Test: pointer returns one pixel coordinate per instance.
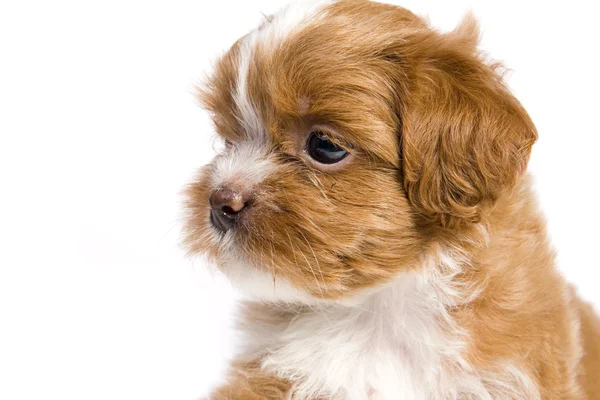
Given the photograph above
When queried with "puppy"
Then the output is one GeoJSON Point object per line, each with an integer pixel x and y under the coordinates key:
{"type": "Point", "coordinates": [372, 202]}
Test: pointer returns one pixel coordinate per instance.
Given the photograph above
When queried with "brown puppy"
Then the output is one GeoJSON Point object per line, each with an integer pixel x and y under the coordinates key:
{"type": "Point", "coordinates": [372, 202]}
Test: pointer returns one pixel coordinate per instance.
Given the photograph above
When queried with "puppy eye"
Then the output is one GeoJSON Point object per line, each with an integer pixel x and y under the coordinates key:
{"type": "Point", "coordinates": [323, 150]}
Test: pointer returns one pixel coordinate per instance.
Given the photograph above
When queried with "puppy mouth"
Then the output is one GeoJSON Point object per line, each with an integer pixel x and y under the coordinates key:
{"type": "Point", "coordinates": [218, 224]}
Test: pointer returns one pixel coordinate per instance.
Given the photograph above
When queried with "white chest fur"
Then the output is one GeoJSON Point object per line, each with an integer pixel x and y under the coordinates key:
{"type": "Point", "coordinates": [399, 343]}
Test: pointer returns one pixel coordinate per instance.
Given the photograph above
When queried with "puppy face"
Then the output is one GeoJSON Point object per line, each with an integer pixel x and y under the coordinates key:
{"type": "Point", "coordinates": [354, 135]}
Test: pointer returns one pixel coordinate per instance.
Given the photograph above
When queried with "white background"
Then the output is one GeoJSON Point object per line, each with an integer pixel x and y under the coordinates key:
{"type": "Point", "coordinates": [99, 132]}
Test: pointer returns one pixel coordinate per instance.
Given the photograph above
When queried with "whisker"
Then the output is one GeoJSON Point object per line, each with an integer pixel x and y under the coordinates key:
{"type": "Point", "coordinates": [308, 263]}
{"type": "Point", "coordinates": [315, 256]}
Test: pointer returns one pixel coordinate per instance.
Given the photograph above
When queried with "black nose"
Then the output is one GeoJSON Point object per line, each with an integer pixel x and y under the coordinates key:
{"type": "Point", "coordinates": [226, 205]}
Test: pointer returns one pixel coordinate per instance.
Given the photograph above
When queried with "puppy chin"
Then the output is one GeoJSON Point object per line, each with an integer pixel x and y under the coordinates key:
{"type": "Point", "coordinates": [259, 285]}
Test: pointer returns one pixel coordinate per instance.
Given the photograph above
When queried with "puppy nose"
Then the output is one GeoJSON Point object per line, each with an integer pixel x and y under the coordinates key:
{"type": "Point", "coordinates": [226, 205]}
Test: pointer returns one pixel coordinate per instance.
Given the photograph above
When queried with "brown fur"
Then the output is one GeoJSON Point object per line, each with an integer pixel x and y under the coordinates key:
{"type": "Point", "coordinates": [250, 383]}
{"type": "Point", "coordinates": [440, 147]}
{"type": "Point", "coordinates": [589, 375]}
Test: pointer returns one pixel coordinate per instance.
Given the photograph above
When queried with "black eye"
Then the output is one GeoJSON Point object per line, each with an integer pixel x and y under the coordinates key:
{"type": "Point", "coordinates": [321, 149]}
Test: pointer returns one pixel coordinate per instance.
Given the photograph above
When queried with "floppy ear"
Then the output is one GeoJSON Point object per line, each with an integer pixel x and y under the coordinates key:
{"type": "Point", "coordinates": [466, 139]}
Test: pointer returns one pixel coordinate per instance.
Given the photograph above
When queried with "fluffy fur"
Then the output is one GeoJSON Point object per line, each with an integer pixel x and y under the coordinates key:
{"type": "Point", "coordinates": [419, 266]}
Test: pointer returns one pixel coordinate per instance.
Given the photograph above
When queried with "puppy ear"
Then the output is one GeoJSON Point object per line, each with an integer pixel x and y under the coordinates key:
{"type": "Point", "coordinates": [465, 139]}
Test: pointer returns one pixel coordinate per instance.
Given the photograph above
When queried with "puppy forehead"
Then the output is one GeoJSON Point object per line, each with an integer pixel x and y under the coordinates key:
{"type": "Point", "coordinates": [312, 63]}
{"type": "Point", "coordinates": [268, 37]}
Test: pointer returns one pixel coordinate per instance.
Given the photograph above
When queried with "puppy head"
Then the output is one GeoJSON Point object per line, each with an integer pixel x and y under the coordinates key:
{"type": "Point", "coordinates": [353, 134]}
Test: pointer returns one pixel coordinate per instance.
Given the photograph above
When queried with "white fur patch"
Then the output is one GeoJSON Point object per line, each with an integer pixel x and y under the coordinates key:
{"type": "Point", "coordinates": [246, 165]}
{"type": "Point", "coordinates": [291, 18]}
{"type": "Point", "coordinates": [397, 343]}
{"type": "Point", "coordinates": [259, 285]}
{"type": "Point", "coordinates": [249, 117]}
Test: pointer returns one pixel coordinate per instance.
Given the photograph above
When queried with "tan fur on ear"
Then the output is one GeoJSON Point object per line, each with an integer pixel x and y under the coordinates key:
{"type": "Point", "coordinates": [467, 32]}
{"type": "Point", "coordinates": [466, 139]}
